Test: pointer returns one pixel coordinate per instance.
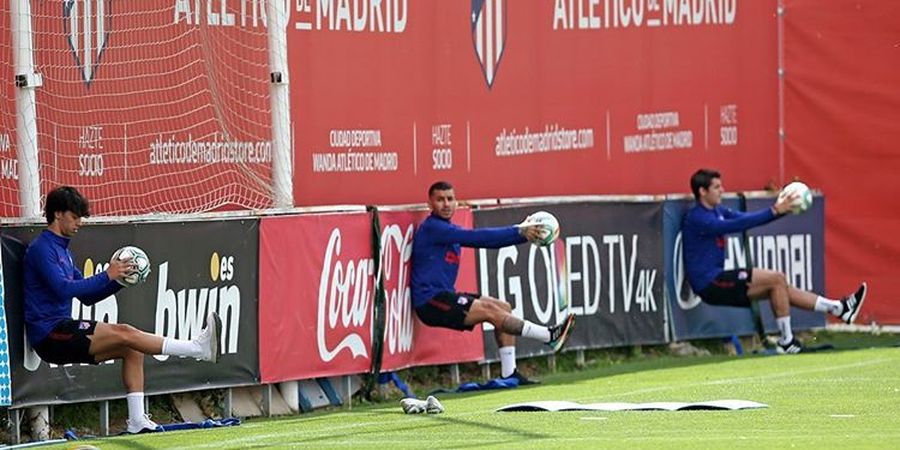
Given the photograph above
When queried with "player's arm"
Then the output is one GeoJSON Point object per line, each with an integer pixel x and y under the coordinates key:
{"type": "Point", "coordinates": [495, 237]}
{"type": "Point", "coordinates": [109, 289]}
{"type": "Point", "coordinates": [734, 221]}
{"type": "Point", "coordinates": [88, 290]}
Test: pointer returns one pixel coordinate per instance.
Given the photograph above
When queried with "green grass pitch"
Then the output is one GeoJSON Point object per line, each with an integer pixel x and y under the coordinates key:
{"type": "Point", "coordinates": [838, 399]}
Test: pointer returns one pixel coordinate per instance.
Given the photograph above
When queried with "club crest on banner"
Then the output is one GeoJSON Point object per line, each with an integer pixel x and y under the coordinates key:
{"type": "Point", "coordinates": [489, 35]}
{"type": "Point", "coordinates": [87, 26]}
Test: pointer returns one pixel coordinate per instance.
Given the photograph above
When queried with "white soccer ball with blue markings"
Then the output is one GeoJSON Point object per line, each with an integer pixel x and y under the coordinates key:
{"type": "Point", "coordinates": [549, 224]}
{"type": "Point", "coordinates": [804, 198]}
{"type": "Point", "coordinates": [141, 264]}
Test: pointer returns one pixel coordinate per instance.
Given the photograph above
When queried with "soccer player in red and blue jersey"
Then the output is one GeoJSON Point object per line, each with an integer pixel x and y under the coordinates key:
{"type": "Point", "coordinates": [435, 266]}
{"type": "Point", "coordinates": [51, 283]}
{"type": "Point", "coordinates": [703, 239]}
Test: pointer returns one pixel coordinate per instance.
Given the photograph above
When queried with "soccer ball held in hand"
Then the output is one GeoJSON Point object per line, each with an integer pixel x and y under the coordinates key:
{"type": "Point", "coordinates": [141, 264]}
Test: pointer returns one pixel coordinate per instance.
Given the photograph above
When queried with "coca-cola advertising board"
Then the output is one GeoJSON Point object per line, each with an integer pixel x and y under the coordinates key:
{"type": "Point", "coordinates": [317, 291]}
{"type": "Point", "coordinates": [196, 268]}
{"type": "Point", "coordinates": [576, 97]}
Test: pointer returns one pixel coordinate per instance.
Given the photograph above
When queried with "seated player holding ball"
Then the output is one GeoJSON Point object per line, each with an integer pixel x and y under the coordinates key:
{"type": "Point", "coordinates": [52, 281]}
{"type": "Point", "coordinates": [703, 237]}
{"type": "Point", "coordinates": [435, 266]}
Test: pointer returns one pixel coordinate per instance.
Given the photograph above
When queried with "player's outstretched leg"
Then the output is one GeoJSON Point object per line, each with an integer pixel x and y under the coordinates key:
{"type": "Point", "coordinates": [204, 347]}
{"type": "Point", "coordinates": [209, 338]}
{"type": "Point", "coordinates": [560, 333]}
{"type": "Point", "coordinates": [852, 303]}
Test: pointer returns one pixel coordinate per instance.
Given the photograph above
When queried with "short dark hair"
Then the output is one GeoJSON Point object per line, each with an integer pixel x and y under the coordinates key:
{"type": "Point", "coordinates": [702, 179]}
{"type": "Point", "coordinates": [65, 198]}
{"type": "Point", "coordinates": [439, 186]}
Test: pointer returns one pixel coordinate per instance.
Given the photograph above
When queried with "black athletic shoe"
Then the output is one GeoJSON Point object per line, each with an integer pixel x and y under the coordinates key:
{"type": "Point", "coordinates": [791, 347]}
{"type": "Point", "coordinates": [852, 304]}
{"type": "Point", "coordinates": [561, 332]}
{"type": "Point", "coordinates": [523, 380]}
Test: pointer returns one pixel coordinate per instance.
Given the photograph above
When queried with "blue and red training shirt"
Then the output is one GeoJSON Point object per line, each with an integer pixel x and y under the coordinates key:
{"type": "Point", "coordinates": [52, 280]}
{"type": "Point", "coordinates": [703, 239]}
{"type": "Point", "coordinates": [435, 254]}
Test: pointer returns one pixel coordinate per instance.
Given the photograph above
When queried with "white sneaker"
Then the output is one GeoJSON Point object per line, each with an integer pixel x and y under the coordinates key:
{"type": "Point", "coordinates": [413, 405]}
{"type": "Point", "coordinates": [142, 425]}
{"type": "Point", "coordinates": [209, 338]}
{"type": "Point", "coordinates": [433, 406]}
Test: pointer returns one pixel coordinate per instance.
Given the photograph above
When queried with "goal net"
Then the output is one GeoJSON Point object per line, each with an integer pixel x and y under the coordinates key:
{"type": "Point", "coordinates": [8, 164]}
{"type": "Point", "coordinates": [154, 106]}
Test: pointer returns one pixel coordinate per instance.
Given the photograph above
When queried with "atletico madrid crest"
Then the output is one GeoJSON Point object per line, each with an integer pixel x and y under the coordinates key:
{"type": "Point", "coordinates": [489, 35]}
{"type": "Point", "coordinates": [87, 26]}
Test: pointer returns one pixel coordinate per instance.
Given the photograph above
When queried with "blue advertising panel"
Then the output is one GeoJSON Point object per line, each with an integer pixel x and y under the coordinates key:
{"type": "Point", "coordinates": [794, 245]}
{"type": "Point", "coordinates": [5, 385]}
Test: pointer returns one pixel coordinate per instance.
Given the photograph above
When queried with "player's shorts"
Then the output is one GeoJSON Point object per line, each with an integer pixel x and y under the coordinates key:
{"type": "Point", "coordinates": [448, 310]}
{"type": "Point", "coordinates": [729, 288]}
{"type": "Point", "coordinates": [68, 343]}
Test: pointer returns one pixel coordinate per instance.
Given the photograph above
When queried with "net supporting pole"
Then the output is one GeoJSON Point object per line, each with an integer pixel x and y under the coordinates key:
{"type": "Point", "coordinates": [282, 164]}
{"type": "Point", "coordinates": [26, 123]}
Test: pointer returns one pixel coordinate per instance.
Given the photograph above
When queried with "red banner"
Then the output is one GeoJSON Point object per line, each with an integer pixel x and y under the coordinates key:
{"type": "Point", "coordinates": [574, 97]}
{"type": "Point", "coordinates": [315, 298]}
{"type": "Point", "coordinates": [154, 105]}
{"type": "Point", "coordinates": [317, 294]}
{"type": "Point", "coordinates": [841, 103]}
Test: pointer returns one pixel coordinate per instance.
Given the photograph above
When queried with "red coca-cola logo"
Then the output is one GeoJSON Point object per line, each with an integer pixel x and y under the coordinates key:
{"type": "Point", "coordinates": [345, 296]}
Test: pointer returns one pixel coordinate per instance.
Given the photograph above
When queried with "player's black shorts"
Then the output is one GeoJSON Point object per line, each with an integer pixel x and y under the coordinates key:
{"type": "Point", "coordinates": [729, 288]}
{"type": "Point", "coordinates": [447, 310]}
{"type": "Point", "coordinates": [68, 343]}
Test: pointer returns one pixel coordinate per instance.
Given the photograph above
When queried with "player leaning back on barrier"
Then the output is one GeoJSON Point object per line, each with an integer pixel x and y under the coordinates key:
{"type": "Point", "coordinates": [52, 281]}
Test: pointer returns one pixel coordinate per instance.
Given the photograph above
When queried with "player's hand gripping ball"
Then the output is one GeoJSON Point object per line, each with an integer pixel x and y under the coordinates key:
{"type": "Point", "coordinates": [548, 223]}
{"type": "Point", "coordinates": [804, 196]}
{"type": "Point", "coordinates": [141, 264]}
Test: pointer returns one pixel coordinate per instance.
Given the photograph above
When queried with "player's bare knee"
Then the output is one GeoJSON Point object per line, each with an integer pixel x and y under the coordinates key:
{"type": "Point", "coordinates": [782, 280]}
{"type": "Point", "coordinates": [133, 354]}
{"type": "Point", "coordinates": [127, 334]}
{"type": "Point", "coordinates": [775, 280]}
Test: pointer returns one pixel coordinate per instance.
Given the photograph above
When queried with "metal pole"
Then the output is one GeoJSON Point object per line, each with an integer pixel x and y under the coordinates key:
{"type": "Point", "coordinates": [104, 418]}
{"type": "Point", "coordinates": [454, 374]}
{"type": "Point", "coordinates": [267, 400]}
{"type": "Point", "coordinates": [26, 124]}
{"type": "Point", "coordinates": [228, 407]}
{"type": "Point", "coordinates": [282, 152]}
